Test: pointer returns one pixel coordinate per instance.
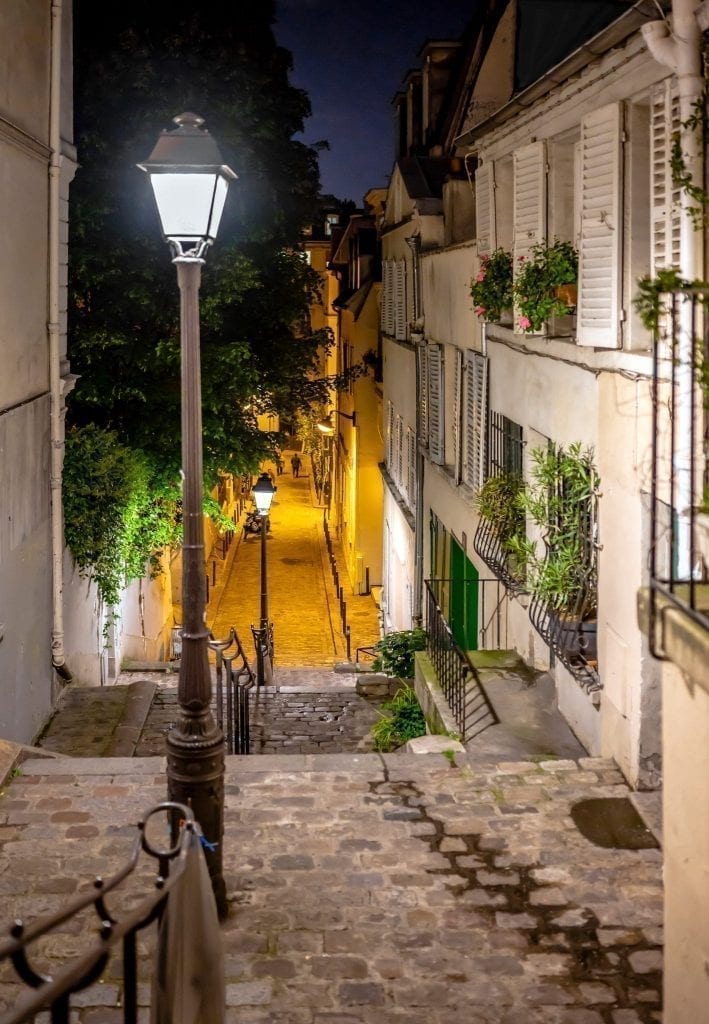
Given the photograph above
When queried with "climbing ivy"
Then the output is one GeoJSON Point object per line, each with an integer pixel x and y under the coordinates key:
{"type": "Point", "coordinates": [119, 515]}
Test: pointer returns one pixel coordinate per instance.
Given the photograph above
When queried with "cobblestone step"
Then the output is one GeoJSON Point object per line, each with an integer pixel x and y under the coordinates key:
{"type": "Point", "coordinates": [367, 889]}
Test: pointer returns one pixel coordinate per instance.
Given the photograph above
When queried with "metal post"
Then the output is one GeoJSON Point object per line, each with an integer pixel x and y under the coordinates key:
{"type": "Point", "coordinates": [261, 667]}
{"type": "Point", "coordinates": [195, 744]}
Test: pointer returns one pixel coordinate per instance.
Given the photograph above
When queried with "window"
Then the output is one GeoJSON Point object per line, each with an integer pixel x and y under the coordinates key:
{"type": "Point", "coordinates": [400, 319]}
{"type": "Point", "coordinates": [505, 446]}
{"type": "Point", "coordinates": [391, 419]}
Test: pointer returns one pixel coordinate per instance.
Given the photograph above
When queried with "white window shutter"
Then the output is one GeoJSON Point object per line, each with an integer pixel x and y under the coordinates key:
{"type": "Point", "coordinates": [436, 439]}
{"type": "Point", "coordinates": [476, 370]}
{"type": "Point", "coordinates": [400, 300]}
{"type": "Point", "coordinates": [422, 356]}
{"type": "Point", "coordinates": [665, 196]}
{"type": "Point", "coordinates": [383, 296]}
{"type": "Point", "coordinates": [457, 414]}
{"type": "Point", "coordinates": [391, 304]}
{"type": "Point", "coordinates": [399, 451]}
{"type": "Point", "coordinates": [390, 439]}
{"type": "Point", "coordinates": [485, 208]}
{"type": "Point", "coordinates": [411, 466]}
{"type": "Point", "coordinates": [530, 203]}
{"type": "Point", "coordinates": [600, 245]}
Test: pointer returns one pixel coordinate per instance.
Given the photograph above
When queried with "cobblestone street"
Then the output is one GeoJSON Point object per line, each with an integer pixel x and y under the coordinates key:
{"type": "Point", "coordinates": [302, 602]}
{"type": "Point", "coordinates": [368, 889]}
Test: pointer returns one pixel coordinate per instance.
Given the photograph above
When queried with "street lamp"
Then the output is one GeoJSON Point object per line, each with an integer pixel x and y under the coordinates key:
{"type": "Point", "coordinates": [264, 491]}
{"type": "Point", "coordinates": [325, 426]}
{"type": "Point", "coordinates": [190, 182]}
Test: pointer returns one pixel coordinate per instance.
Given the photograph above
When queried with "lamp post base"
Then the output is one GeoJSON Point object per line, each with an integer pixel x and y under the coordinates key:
{"type": "Point", "coordinates": [195, 777]}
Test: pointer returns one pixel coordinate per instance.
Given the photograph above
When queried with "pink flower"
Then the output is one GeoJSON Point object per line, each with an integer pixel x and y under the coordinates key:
{"type": "Point", "coordinates": [480, 311]}
{"type": "Point", "coordinates": [524, 322]}
{"type": "Point", "coordinates": [481, 276]}
{"type": "Point", "coordinates": [484, 260]}
{"type": "Point", "coordinates": [520, 259]}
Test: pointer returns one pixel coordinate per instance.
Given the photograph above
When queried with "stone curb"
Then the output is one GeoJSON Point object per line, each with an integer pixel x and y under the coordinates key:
{"type": "Point", "coordinates": [135, 714]}
{"type": "Point", "coordinates": [14, 754]}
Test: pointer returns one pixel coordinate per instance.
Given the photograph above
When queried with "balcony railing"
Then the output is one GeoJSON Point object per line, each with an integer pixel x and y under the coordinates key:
{"type": "Point", "coordinates": [455, 672]}
{"type": "Point", "coordinates": [116, 942]}
{"type": "Point", "coordinates": [679, 550]}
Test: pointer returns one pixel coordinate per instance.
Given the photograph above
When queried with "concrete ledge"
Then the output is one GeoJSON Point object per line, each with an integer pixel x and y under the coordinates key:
{"type": "Point", "coordinates": [433, 745]}
{"type": "Point", "coordinates": [376, 684]}
{"type": "Point", "coordinates": [684, 641]}
{"type": "Point", "coordinates": [135, 714]}
{"type": "Point", "coordinates": [12, 755]}
{"type": "Point", "coordinates": [430, 696]}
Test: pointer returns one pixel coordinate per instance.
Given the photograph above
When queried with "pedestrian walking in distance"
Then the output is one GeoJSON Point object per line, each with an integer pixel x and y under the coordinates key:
{"type": "Point", "coordinates": [295, 464]}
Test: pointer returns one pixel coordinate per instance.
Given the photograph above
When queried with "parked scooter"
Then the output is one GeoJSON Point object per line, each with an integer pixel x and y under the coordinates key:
{"type": "Point", "coordinates": [252, 523]}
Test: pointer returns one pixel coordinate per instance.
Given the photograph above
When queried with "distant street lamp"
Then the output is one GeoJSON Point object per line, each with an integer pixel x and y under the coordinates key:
{"type": "Point", "coordinates": [264, 491]}
{"type": "Point", "coordinates": [190, 182]}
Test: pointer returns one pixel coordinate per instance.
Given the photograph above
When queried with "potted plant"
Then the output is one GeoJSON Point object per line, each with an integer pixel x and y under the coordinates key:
{"type": "Point", "coordinates": [560, 501]}
{"type": "Point", "coordinates": [545, 284]}
{"type": "Point", "coordinates": [491, 288]}
{"type": "Point", "coordinates": [498, 503]}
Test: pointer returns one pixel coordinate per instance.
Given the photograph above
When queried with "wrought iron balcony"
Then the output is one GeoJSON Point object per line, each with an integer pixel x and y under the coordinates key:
{"type": "Point", "coordinates": [679, 550]}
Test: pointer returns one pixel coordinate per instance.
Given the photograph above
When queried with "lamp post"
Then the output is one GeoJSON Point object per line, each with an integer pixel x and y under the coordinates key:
{"type": "Point", "coordinates": [263, 496]}
{"type": "Point", "coordinates": [190, 182]}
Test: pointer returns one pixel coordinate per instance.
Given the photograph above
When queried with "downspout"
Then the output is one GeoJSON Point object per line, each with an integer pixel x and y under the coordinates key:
{"type": "Point", "coordinates": [680, 50]}
{"type": "Point", "coordinates": [414, 243]}
{"type": "Point", "coordinates": [56, 427]}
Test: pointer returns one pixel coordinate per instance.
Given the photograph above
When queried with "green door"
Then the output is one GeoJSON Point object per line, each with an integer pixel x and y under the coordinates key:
{"type": "Point", "coordinates": [463, 605]}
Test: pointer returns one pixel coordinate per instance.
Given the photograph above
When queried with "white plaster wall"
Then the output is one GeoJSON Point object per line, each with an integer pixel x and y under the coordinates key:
{"type": "Point", "coordinates": [445, 293]}
{"type": "Point", "coordinates": [398, 567]}
{"type": "Point", "coordinates": [399, 387]}
{"type": "Point", "coordinates": [147, 618]}
{"type": "Point", "coordinates": [83, 627]}
{"type": "Point", "coordinates": [686, 847]}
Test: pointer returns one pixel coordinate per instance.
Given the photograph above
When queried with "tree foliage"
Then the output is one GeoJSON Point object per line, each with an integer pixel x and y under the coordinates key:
{"type": "Point", "coordinates": [138, 65]}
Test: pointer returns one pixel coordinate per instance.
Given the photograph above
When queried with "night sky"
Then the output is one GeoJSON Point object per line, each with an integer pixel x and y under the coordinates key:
{"type": "Point", "coordinates": [351, 57]}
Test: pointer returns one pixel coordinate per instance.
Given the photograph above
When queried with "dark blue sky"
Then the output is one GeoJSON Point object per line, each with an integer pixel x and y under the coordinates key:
{"type": "Point", "coordinates": [350, 57]}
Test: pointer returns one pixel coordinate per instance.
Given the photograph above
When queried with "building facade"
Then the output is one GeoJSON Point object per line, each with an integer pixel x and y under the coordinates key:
{"type": "Point", "coordinates": [38, 162]}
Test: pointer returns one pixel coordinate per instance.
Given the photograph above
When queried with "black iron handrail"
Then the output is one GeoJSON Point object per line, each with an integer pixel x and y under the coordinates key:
{"type": "Point", "coordinates": [54, 993]}
{"type": "Point", "coordinates": [456, 674]}
{"type": "Point", "coordinates": [679, 551]}
{"type": "Point", "coordinates": [234, 681]}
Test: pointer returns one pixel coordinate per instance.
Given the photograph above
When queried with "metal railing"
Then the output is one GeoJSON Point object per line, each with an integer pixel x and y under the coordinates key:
{"type": "Point", "coordinates": [488, 542]}
{"type": "Point", "coordinates": [234, 681]}
{"type": "Point", "coordinates": [457, 676]}
{"type": "Point", "coordinates": [339, 589]}
{"type": "Point", "coordinates": [679, 550]}
{"type": "Point", "coordinates": [572, 636]}
{"type": "Point", "coordinates": [115, 937]}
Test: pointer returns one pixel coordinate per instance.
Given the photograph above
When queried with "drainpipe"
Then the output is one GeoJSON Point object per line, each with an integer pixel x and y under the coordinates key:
{"type": "Point", "coordinates": [414, 243]}
{"type": "Point", "coordinates": [680, 51]}
{"type": "Point", "coordinates": [53, 328]}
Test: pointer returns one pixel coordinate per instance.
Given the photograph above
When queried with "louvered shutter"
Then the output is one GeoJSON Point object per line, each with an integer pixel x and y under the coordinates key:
{"type": "Point", "coordinates": [391, 299]}
{"type": "Point", "coordinates": [390, 439]}
{"type": "Point", "coordinates": [422, 356]}
{"type": "Point", "coordinates": [665, 196]}
{"type": "Point", "coordinates": [599, 250]}
{"type": "Point", "coordinates": [399, 452]}
{"type": "Point", "coordinates": [411, 466]}
{"type": "Point", "coordinates": [485, 208]}
{"type": "Point", "coordinates": [400, 300]}
{"type": "Point", "coordinates": [436, 441]}
{"type": "Point", "coordinates": [457, 414]}
{"type": "Point", "coordinates": [475, 418]}
{"type": "Point", "coordinates": [383, 297]}
{"type": "Point", "coordinates": [530, 203]}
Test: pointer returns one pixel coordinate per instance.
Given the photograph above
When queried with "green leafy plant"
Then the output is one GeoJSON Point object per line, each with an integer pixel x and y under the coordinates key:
{"type": "Point", "coordinates": [649, 302]}
{"type": "Point", "coordinates": [498, 501]}
{"type": "Point", "coordinates": [681, 176]}
{"type": "Point", "coordinates": [559, 499]}
{"type": "Point", "coordinates": [395, 652]}
{"type": "Point", "coordinates": [402, 720]}
{"type": "Point", "coordinates": [491, 288]}
{"type": "Point", "coordinates": [538, 277]}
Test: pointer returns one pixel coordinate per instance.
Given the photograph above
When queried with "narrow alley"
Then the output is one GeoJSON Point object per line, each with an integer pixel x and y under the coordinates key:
{"type": "Point", "coordinates": [302, 601]}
